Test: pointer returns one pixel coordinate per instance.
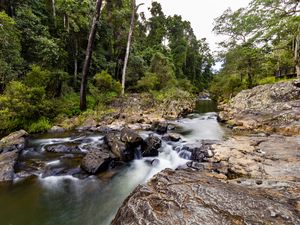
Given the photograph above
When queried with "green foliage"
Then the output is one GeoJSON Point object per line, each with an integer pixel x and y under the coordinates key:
{"type": "Point", "coordinates": [105, 83]}
{"type": "Point", "coordinates": [10, 50]}
{"type": "Point", "coordinates": [171, 93]}
{"type": "Point", "coordinates": [163, 68]}
{"type": "Point", "coordinates": [43, 124]}
{"type": "Point", "coordinates": [223, 88]}
{"type": "Point", "coordinates": [149, 82]}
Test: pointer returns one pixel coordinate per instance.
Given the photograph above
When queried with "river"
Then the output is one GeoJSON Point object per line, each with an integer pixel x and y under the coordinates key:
{"type": "Point", "coordinates": [67, 200]}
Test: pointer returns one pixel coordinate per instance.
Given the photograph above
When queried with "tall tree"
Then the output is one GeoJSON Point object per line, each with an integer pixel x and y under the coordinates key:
{"type": "Point", "coordinates": [134, 9]}
{"type": "Point", "coordinates": [88, 56]}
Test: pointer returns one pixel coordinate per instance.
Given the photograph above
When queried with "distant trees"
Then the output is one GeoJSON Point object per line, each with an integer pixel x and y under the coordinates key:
{"type": "Point", "coordinates": [262, 38]}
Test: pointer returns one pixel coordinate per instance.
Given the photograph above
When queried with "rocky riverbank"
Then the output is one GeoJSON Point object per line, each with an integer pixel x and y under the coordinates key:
{"type": "Point", "coordinates": [252, 178]}
{"type": "Point", "coordinates": [266, 108]}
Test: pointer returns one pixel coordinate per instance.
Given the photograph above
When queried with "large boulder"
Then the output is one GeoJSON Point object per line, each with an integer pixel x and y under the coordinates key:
{"type": "Point", "coordinates": [188, 197]}
{"type": "Point", "coordinates": [97, 160]}
{"type": "Point", "coordinates": [119, 148]}
{"type": "Point", "coordinates": [159, 127]}
{"type": "Point", "coordinates": [56, 129]}
{"type": "Point", "coordinates": [14, 141]}
{"type": "Point", "coordinates": [130, 137]}
{"type": "Point", "coordinates": [150, 146]}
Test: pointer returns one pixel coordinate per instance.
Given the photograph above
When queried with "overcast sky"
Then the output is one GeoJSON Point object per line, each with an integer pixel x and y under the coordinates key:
{"type": "Point", "coordinates": [200, 13]}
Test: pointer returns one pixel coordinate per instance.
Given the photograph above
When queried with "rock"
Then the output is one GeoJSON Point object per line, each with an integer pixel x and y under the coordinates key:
{"type": "Point", "coordinates": [160, 127]}
{"type": "Point", "coordinates": [62, 148]}
{"type": "Point", "coordinates": [7, 163]}
{"type": "Point", "coordinates": [171, 137]}
{"type": "Point", "coordinates": [87, 125]}
{"type": "Point", "coordinates": [195, 165]}
{"type": "Point", "coordinates": [130, 137]}
{"type": "Point", "coordinates": [271, 108]}
{"type": "Point", "coordinates": [56, 129]}
{"type": "Point", "coordinates": [153, 162]}
{"type": "Point", "coordinates": [14, 141]}
{"type": "Point", "coordinates": [195, 198]}
{"type": "Point", "coordinates": [119, 148]}
{"type": "Point", "coordinates": [96, 161]}
{"type": "Point", "coordinates": [150, 146]}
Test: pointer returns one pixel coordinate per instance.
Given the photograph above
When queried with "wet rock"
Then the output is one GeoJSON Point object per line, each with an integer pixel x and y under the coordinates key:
{"type": "Point", "coordinates": [56, 129]}
{"type": "Point", "coordinates": [171, 137]}
{"type": "Point", "coordinates": [13, 142]}
{"type": "Point", "coordinates": [160, 127]}
{"type": "Point", "coordinates": [7, 163]}
{"type": "Point", "coordinates": [195, 198]}
{"type": "Point", "coordinates": [119, 148]}
{"type": "Point", "coordinates": [96, 161]}
{"type": "Point", "coordinates": [153, 162]}
{"type": "Point", "coordinates": [130, 137]}
{"type": "Point", "coordinates": [63, 149]}
{"type": "Point", "coordinates": [150, 146]}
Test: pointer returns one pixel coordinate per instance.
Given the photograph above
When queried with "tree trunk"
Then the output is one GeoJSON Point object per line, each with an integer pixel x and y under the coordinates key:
{"type": "Point", "coordinates": [128, 46]}
{"type": "Point", "coordinates": [53, 9]}
{"type": "Point", "coordinates": [297, 55]}
{"type": "Point", "coordinates": [88, 55]}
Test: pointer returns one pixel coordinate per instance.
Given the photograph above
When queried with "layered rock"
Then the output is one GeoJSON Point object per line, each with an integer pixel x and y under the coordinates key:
{"type": "Point", "coordinates": [270, 107]}
{"type": "Point", "coordinates": [188, 197]}
{"type": "Point", "coordinates": [10, 147]}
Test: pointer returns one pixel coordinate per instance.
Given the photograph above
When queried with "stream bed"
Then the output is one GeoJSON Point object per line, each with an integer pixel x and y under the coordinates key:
{"type": "Point", "coordinates": [91, 200]}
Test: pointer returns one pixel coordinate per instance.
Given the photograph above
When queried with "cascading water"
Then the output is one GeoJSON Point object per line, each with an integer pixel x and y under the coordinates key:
{"type": "Point", "coordinates": [94, 200]}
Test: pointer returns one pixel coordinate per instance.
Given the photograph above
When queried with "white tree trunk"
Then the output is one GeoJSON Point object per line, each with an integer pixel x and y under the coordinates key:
{"type": "Point", "coordinates": [128, 46]}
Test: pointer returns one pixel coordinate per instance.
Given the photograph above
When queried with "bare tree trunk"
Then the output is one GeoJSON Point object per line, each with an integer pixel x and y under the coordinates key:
{"type": "Point", "coordinates": [88, 55]}
{"type": "Point", "coordinates": [297, 55]}
{"type": "Point", "coordinates": [53, 9]}
{"type": "Point", "coordinates": [128, 46]}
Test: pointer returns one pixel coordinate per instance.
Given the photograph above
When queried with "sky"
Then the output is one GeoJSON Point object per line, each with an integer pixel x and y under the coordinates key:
{"type": "Point", "coordinates": [200, 13]}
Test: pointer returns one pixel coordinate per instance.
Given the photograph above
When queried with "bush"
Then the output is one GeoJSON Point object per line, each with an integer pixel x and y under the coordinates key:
{"type": "Point", "coordinates": [41, 125]}
{"type": "Point", "coordinates": [186, 85]}
{"type": "Point", "coordinates": [148, 82]}
{"type": "Point", "coordinates": [223, 88]}
{"type": "Point", "coordinates": [105, 83]}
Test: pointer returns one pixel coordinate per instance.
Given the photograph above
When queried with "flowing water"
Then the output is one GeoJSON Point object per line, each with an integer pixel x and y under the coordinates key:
{"type": "Point", "coordinates": [67, 200]}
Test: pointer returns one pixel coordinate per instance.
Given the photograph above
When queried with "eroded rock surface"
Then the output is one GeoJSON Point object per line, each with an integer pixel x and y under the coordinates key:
{"type": "Point", "coordinates": [189, 197]}
{"type": "Point", "coordinates": [270, 107]}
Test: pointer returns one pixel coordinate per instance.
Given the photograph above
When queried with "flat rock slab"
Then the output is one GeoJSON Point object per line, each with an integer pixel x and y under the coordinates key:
{"type": "Point", "coordinates": [189, 197]}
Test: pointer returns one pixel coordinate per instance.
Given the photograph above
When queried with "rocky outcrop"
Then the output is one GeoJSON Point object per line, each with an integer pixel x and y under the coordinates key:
{"type": "Point", "coordinates": [274, 157]}
{"type": "Point", "coordinates": [150, 146]}
{"type": "Point", "coordinates": [189, 197]}
{"type": "Point", "coordinates": [270, 108]}
{"type": "Point", "coordinates": [10, 147]}
{"type": "Point", "coordinates": [14, 141]}
{"type": "Point", "coordinates": [96, 160]}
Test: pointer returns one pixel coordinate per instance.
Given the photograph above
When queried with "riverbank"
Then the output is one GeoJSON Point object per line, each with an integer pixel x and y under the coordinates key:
{"type": "Point", "coordinates": [251, 177]}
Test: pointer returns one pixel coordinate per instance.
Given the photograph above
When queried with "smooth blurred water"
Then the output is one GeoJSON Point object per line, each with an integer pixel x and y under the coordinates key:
{"type": "Point", "coordinates": [65, 200]}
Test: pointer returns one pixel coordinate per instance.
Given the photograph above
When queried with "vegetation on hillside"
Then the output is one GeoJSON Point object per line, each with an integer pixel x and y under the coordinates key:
{"type": "Point", "coordinates": [262, 39]}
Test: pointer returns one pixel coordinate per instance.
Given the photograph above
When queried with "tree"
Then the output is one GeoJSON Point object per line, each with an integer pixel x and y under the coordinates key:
{"type": "Point", "coordinates": [10, 50]}
{"type": "Point", "coordinates": [88, 56]}
{"type": "Point", "coordinates": [134, 9]}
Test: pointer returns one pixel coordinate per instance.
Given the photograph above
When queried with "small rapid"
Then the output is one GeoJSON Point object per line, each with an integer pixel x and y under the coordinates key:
{"type": "Point", "coordinates": [93, 200]}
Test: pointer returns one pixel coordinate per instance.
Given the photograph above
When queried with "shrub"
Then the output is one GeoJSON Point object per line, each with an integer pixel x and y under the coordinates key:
{"type": "Point", "coordinates": [41, 125]}
{"type": "Point", "coordinates": [148, 82]}
{"type": "Point", "coordinates": [105, 83]}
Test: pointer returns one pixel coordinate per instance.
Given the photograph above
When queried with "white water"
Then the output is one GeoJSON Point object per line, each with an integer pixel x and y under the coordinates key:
{"type": "Point", "coordinates": [64, 200]}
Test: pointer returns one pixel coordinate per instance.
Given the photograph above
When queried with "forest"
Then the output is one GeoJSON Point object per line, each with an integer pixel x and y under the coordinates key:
{"type": "Point", "coordinates": [43, 49]}
{"type": "Point", "coordinates": [44, 46]}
